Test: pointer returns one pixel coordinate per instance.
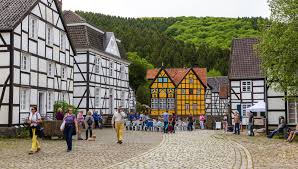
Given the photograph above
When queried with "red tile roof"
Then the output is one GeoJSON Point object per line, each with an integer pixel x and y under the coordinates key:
{"type": "Point", "coordinates": [224, 91]}
{"type": "Point", "coordinates": [177, 74]}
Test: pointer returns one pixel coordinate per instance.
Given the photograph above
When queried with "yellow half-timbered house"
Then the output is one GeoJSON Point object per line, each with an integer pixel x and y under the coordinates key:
{"type": "Point", "coordinates": [178, 90]}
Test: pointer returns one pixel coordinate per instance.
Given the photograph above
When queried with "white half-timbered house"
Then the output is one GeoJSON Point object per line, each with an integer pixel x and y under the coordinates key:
{"type": "Point", "coordinates": [248, 86]}
{"type": "Point", "coordinates": [217, 95]}
{"type": "Point", "coordinates": [101, 81]}
{"type": "Point", "coordinates": [36, 67]}
{"type": "Point", "coordinates": [247, 83]}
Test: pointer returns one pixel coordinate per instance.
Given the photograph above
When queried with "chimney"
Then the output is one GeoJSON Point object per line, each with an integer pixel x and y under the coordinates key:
{"type": "Point", "coordinates": [59, 4]}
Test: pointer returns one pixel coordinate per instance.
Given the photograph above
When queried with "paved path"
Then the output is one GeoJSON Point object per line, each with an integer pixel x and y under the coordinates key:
{"type": "Point", "coordinates": [198, 149]}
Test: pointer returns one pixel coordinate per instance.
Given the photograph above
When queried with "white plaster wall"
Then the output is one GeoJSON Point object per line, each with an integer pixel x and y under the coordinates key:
{"type": "Point", "coordinates": [18, 29]}
{"type": "Point", "coordinates": [42, 80]}
{"type": "Point", "coordinates": [258, 96]}
{"type": "Point", "coordinates": [41, 29]}
{"type": "Point", "coordinates": [25, 42]}
{"type": "Point", "coordinates": [258, 83]}
{"type": "Point", "coordinates": [246, 95]}
{"type": "Point", "coordinates": [276, 103]}
{"type": "Point", "coordinates": [5, 58]}
{"type": "Point", "coordinates": [258, 89]}
{"type": "Point", "coordinates": [17, 41]}
{"type": "Point", "coordinates": [273, 117]}
{"type": "Point", "coordinates": [25, 24]}
{"type": "Point", "coordinates": [25, 79]}
{"type": "Point", "coordinates": [16, 76]}
{"type": "Point", "coordinates": [33, 47]}
{"type": "Point", "coordinates": [4, 115]}
{"type": "Point", "coordinates": [41, 48]}
{"type": "Point", "coordinates": [33, 79]}
{"type": "Point", "coordinates": [235, 83]}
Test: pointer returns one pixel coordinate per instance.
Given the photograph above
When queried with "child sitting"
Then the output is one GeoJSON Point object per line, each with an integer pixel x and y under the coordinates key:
{"type": "Point", "coordinates": [292, 134]}
{"type": "Point", "coordinates": [89, 123]}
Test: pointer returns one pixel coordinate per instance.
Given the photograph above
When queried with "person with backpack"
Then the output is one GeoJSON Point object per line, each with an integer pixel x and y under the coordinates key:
{"type": "Point", "coordinates": [96, 119]}
{"type": "Point", "coordinates": [70, 128]}
{"type": "Point", "coordinates": [89, 123]}
{"type": "Point", "coordinates": [34, 121]}
{"type": "Point", "coordinates": [118, 124]}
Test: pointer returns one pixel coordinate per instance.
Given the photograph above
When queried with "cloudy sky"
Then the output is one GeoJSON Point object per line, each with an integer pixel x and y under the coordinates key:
{"type": "Point", "coordinates": [167, 8]}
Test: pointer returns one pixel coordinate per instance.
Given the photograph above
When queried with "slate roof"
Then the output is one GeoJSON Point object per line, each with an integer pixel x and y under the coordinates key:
{"type": "Point", "coordinates": [85, 37]}
{"type": "Point", "coordinates": [177, 74]}
{"type": "Point", "coordinates": [219, 85]}
{"type": "Point", "coordinates": [12, 11]}
{"type": "Point", "coordinates": [244, 62]}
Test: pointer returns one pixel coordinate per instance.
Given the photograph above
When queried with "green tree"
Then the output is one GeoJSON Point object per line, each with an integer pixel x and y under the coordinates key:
{"type": "Point", "coordinates": [213, 73]}
{"type": "Point", "coordinates": [279, 46]}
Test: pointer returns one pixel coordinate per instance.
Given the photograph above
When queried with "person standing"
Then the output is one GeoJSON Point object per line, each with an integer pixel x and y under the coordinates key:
{"type": "Point", "coordinates": [118, 124]}
{"type": "Point", "coordinates": [34, 121]}
{"type": "Point", "coordinates": [89, 123]}
{"type": "Point", "coordinates": [251, 124]}
{"type": "Point", "coordinates": [225, 122]}
{"type": "Point", "coordinates": [165, 117]}
{"type": "Point", "coordinates": [96, 119]}
{"type": "Point", "coordinates": [80, 120]}
{"type": "Point", "coordinates": [190, 123]}
{"type": "Point", "coordinates": [174, 119]}
{"type": "Point", "coordinates": [237, 123]}
{"type": "Point", "coordinates": [71, 125]}
{"type": "Point", "coordinates": [202, 120]}
{"type": "Point", "coordinates": [59, 114]}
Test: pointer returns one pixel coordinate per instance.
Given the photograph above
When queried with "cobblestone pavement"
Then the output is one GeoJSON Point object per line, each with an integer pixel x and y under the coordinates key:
{"type": "Point", "coordinates": [198, 149]}
{"type": "Point", "coordinates": [269, 153]}
{"type": "Point", "coordinates": [86, 154]}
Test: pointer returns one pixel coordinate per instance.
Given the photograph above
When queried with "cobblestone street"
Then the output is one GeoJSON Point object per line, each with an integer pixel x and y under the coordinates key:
{"type": "Point", "coordinates": [198, 149]}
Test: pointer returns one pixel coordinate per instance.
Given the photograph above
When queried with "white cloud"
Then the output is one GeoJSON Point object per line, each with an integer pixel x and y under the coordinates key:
{"type": "Point", "coordinates": [167, 8]}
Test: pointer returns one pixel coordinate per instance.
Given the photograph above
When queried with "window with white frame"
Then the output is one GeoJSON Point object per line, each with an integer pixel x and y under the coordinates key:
{"type": "Point", "coordinates": [50, 36]}
{"type": "Point", "coordinates": [244, 106]}
{"type": "Point", "coordinates": [63, 72]}
{"type": "Point", "coordinates": [170, 103]}
{"type": "Point", "coordinates": [162, 104]}
{"type": "Point", "coordinates": [122, 72]}
{"type": "Point", "coordinates": [293, 111]}
{"type": "Point", "coordinates": [198, 91]}
{"type": "Point", "coordinates": [246, 86]}
{"type": "Point", "coordinates": [111, 68]}
{"type": "Point", "coordinates": [183, 91]}
{"type": "Point", "coordinates": [50, 101]}
{"type": "Point", "coordinates": [24, 100]}
{"type": "Point", "coordinates": [154, 103]}
{"type": "Point", "coordinates": [33, 27]}
{"type": "Point", "coordinates": [97, 65]}
{"type": "Point", "coordinates": [62, 40]}
{"type": "Point", "coordinates": [122, 95]}
{"type": "Point", "coordinates": [25, 62]}
{"type": "Point", "coordinates": [51, 69]}
{"type": "Point", "coordinates": [97, 97]}
{"type": "Point", "coordinates": [186, 106]}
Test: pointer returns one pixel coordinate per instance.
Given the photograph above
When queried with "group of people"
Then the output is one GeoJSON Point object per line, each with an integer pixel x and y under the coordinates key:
{"type": "Point", "coordinates": [72, 125]}
{"type": "Point", "coordinates": [289, 134]}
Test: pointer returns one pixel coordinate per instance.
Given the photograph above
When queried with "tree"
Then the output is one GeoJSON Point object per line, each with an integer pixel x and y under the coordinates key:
{"type": "Point", "coordinates": [279, 47]}
{"type": "Point", "coordinates": [213, 73]}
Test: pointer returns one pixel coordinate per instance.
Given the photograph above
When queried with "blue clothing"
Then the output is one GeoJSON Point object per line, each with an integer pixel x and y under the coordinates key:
{"type": "Point", "coordinates": [95, 116]}
{"type": "Point", "coordinates": [68, 135]}
{"type": "Point", "coordinates": [69, 119]}
{"type": "Point", "coordinates": [165, 126]}
{"type": "Point", "coordinates": [165, 117]}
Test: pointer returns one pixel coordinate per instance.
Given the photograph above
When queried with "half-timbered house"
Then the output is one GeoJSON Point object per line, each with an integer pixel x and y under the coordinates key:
{"type": "Point", "coordinates": [217, 95]}
{"type": "Point", "coordinates": [177, 90]}
{"type": "Point", "coordinates": [248, 86]}
{"type": "Point", "coordinates": [101, 70]}
{"type": "Point", "coordinates": [36, 67]}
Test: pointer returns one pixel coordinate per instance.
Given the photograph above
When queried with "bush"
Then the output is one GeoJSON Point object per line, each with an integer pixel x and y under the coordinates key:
{"type": "Point", "coordinates": [64, 105]}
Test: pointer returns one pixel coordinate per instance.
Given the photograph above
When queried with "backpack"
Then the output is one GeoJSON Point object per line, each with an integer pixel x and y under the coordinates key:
{"type": "Point", "coordinates": [89, 121]}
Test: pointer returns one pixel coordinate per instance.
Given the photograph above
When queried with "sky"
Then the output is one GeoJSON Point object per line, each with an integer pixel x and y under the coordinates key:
{"type": "Point", "coordinates": [172, 8]}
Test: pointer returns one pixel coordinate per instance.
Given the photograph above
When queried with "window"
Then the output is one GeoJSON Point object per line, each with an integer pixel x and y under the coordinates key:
{"type": "Point", "coordinates": [186, 106]}
{"type": "Point", "coordinates": [111, 68]}
{"type": "Point", "coordinates": [154, 103]}
{"type": "Point", "coordinates": [97, 97]}
{"type": "Point", "coordinates": [51, 69]}
{"type": "Point", "coordinates": [62, 41]}
{"type": "Point", "coordinates": [160, 79]}
{"type": "Point", "coordinates": [33, 27]}
{"type": "Point", "coordinates": [244, 107]}
{"type": "Point", "coordinates": [97, 65]}
{"type": "Point", "coordinates": [246, 86]}
{"type": "Point", "coordinates": [195, 107]}
{"type": "Point", "coordinates": [63, 72]}
{"type": "Point", "coordinates": [198, 91]}
{"type": "Point", "coordinates": [183, 91]}
{"type": "Point", "coordinates": [170, 103]}
{"type": "Point", "coordinates": [293, 111]}
{"type": "Point", "coordinates": [191, 81]}
{"type": "Point", "coordinates": [64, 96]}
{"type": "Point", "coordinates": [24, 100]}
{"type": "Point", "coordinates": [165, 79]}
{"type": "Point", "coordinates": [122, 99]}
{"type": "Point", "coordinates": [50, 101]}
{"type": "Point", "coordinates": [190, 91]}
{"type": "Point", "coordinates": [162, 104]}
{"type": "Point", "coordinates": [25, 62]}
{"type": "Point", "coordinates": [122, 72]}
{"type": "Point", "coordinates": [49, 35]}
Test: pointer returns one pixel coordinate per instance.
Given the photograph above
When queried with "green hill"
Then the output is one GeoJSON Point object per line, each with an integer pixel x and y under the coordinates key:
{"type": "Point", "coordinates": [180, 41]}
